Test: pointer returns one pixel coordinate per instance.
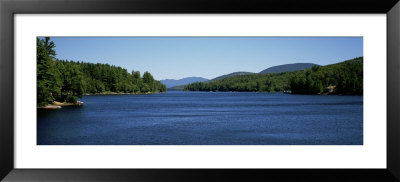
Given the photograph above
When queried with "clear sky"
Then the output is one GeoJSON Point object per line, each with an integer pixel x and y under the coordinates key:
{"type": "Point", "coordinates": [207, 57]}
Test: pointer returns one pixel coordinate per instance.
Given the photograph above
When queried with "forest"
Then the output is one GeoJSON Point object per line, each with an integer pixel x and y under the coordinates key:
{"type": "Point", "coordinates": [344, 78]}
{"type": "Point", "coordinates": [66, 81]}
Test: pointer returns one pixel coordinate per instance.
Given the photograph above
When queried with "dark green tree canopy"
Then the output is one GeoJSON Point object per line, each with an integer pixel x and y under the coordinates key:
{"type": "Point", "coordinates": [66, 81]}
{"type": "Point", "coordinates": [344, 78]}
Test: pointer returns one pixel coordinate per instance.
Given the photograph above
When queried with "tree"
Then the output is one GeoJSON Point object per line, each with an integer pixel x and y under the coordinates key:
{"type": "Point", "coordinates": [48, 76]}
{"type": "Point", "coordinates": [66, 81]}
{"type": "Point", "coordinates": [346, 77]}
{"type": "Point", "coordinates": [147, 78]}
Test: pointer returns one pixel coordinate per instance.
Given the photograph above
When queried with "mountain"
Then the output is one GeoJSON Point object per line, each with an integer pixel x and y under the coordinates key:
{"type": "Point", "coordinates": [172, 83]}
{"type": "Point", "coordinates": [179, 87]}
{"type": "Point", "coordinates": [343, 78]}
{"type": "Point", "coordinates": [288, 68]}
{"type": "Point", "coordinates": [231, 74]}
{"type": "Point", "coordinates": [179, 84]}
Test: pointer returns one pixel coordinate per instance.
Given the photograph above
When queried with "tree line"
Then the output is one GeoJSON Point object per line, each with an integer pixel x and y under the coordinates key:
{"type": "Point", "coordinates": [66, 81]}
{"type": "Point", "coordinates": [344, 78]}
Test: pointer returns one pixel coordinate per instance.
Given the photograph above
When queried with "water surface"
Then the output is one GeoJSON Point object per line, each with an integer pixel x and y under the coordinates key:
{"type": "Point", "coordinates": [205, 118]}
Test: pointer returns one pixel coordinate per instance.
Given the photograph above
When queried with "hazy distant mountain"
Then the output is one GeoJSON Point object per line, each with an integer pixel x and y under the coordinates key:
{"type": "Point", "coordinates": [232, 74]}
{"type": "Point", "coordinates": [179, 84]}
{"type": "Point", "coordinates": [179, 87]}
{"type": "Point", "coordinates": [288, 67]}
{"type": "Point", "coordinates": [171, 82]}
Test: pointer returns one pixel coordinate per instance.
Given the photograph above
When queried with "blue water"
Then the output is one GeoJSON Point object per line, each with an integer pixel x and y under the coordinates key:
{"type": "Point", "coordinates": [205, 118]}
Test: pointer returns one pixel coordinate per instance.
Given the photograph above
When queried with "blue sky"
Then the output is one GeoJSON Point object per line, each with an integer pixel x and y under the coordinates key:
{"type": "Point", "coordinates": [208, 57]}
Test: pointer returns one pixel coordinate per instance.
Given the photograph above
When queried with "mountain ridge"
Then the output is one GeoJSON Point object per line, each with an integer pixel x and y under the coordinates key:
{"type": "Point", "coordinates": [231, 74]}
{"type": "Point", "coordinates": [177, 82]}
{"type": "Point", "coordinates": [342, 78]}
{"type": "Point", "coordinates": [288, 67]}
{"type": "Point", "coordinates": [272, 69]}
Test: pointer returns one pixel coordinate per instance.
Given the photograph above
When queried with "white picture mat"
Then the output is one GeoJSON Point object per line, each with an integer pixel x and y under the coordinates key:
{"type": "Point", "coordinates": [372, 154]}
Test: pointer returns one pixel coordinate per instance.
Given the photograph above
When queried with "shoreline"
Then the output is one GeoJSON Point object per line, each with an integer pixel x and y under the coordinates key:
{"type": "Point", "coordinates": [78, 103]}
{"type": "Point", "coordinates": [121, 93]}
{"type": "Point", "coordinates": [58, 105]}
{"type": "Point", "coordinates": [283, 92]}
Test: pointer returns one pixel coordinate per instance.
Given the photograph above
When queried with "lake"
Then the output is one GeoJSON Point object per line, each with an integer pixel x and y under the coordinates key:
{"type": "Point", "coordinates": [205, 118]}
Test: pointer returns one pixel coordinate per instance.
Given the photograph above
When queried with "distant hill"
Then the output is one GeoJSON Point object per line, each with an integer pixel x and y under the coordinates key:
{"type": "Point", "coordinates": [288, 68]}
{"type": "Point", "coordinates": [344, 78]}
{"type": "Point", "coordinates": [231, 74]}
{"type": "Point", "coordinates": [179, 84]}
{"type": "Point", "coordinates": [179, 87]}
{"type": "Point", "coordinates": [172, 82]}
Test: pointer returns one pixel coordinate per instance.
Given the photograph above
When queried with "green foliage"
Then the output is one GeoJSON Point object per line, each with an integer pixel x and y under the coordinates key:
{"type": "Point", "coordinates": [245, 83]}
{"type": "Point", "coordinates": [343, 78]}
{"type": "Point", "coordinates": [66, 81]}
{"type": "Point", "coordinates": [48, 76]}
{"type": "Point", "coordinates": [100, 78]}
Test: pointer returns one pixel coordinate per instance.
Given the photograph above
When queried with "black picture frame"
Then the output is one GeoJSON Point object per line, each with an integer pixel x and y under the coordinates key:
{"type": "Point", "coordinates": [8, 8]}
